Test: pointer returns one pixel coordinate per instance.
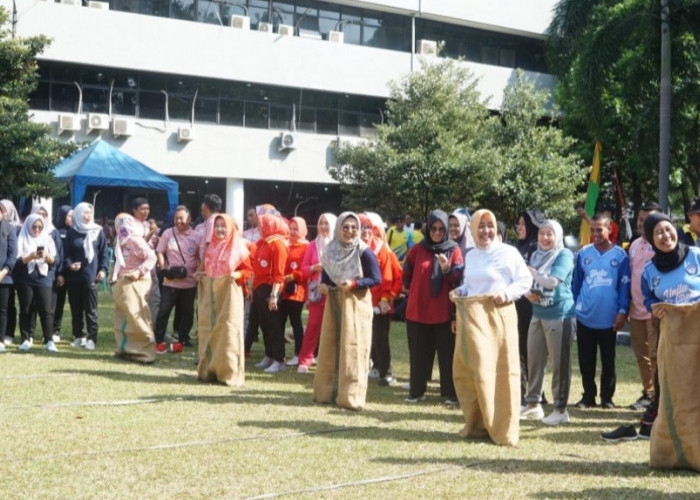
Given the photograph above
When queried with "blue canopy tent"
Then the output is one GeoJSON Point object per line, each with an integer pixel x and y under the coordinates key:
{"type": "Point", "coordinates": [103, 165]}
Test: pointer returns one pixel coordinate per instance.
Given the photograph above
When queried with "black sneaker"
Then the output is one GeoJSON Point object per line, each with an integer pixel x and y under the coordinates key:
{"type": "Point", "coordinates": [586, 403]}
{"type": "Point", "coordinates": [644, 431]}
{"type": "Point", "coordinates": [607, 405]}
{"type": "Point", "coordinates": [622, 433]}
{"type": "Point", "coordinates": [641, 404]}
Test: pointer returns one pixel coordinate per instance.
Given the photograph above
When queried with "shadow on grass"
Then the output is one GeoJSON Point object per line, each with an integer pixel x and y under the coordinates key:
{"type": "Point", "coordinates": [613, 492]}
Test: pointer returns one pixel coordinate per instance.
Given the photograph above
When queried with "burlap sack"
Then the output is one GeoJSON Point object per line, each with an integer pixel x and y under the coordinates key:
{"type": "Point", "coordinates": [675, 435]}
{"type": "Point", "coordinates": [486, 369]}
{"type": "Point", "coordinates": [343, 356]}
{"type": "Point", "coordinates": [133, 330]}
{"type": "Point", "coordinates": [220, 325]}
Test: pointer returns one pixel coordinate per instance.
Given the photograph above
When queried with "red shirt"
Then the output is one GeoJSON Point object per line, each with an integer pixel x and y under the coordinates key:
{"type": "Point", "coordinates": [269, 261]}
{"type": "Point", "coordinates": [292, 268]}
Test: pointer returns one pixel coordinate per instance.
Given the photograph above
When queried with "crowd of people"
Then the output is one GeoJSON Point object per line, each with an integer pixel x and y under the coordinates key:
{"type": "Point", "coordinates": [495, 314]}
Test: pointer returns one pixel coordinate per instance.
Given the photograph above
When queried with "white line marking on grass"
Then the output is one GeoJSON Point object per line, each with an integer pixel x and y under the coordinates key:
{"type": "Point", "coordinates": [124, 402]}
{"type": "Point", "coordinates": [170, 446]}
{"type": "Point", "coordinates": [38, 375]}
{"type": "Point", "coordinates": [374, 480]}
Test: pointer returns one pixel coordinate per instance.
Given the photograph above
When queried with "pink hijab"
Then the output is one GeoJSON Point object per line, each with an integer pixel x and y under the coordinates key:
{"type": "Point", "coordinates": [223, 256]}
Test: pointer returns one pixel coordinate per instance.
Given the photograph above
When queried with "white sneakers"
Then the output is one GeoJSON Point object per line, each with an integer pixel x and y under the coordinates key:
{"type": "Point", "coordinates": [536, 413]}
{"type": "Point", "coordinates": [90, 345]}
{"type": "Point", "coordinates": [79, 342]}
{"type": "Point", "coordinates": [294, 361]}
{"type": "Point", "coordinates": [7, 341]}
{"type": "Point", "coordinates": [24, 346]}
{"type": "Point", "coordinates": [276, 366]}
{"type": "Point", "coordinates": [56, 338]}
{"type": "Point", "coordinates": [50, 346]}
{"type": "Point", "coordinates": [302, 369]}
{"type": "Point", "coordinates": [556, 417]}
{"type": "Point", "coordinates": [2, 347]}
{"type": "Point", "coordinates": [265, 363]}
{"type": "Point", "coordinates": [373, 374]}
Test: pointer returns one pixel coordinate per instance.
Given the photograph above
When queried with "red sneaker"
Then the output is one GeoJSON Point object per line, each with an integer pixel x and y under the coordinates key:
{"type": "Point", "coordinates": [161, 348]}
{"type": "Point", "coordinates": [176, 347]}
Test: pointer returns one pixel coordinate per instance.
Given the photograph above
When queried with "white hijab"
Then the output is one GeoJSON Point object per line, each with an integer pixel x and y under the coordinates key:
{"type": "Point", "coordinates": [322, 241]}
{"type": "Point", "coordinates": [91, 230]}
{"type": "Point", "coordinates": [28, 243]}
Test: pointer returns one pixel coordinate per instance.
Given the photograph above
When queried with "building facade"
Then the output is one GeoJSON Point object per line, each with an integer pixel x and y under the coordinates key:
{"type": "Point", "coordinates": [245, 98]}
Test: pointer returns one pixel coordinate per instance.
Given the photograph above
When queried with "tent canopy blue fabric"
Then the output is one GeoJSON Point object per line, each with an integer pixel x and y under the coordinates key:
{"type": "Point", "coordinates": [103, 165]}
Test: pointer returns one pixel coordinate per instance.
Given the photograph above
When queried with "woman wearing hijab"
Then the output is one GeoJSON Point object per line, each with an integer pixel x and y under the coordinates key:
{"type": "Point", "coordinates": [528, 225]}
{"type": "Point", "coordinates": [294, 291]}
{"type": "Point", "coordinates": [671, 289]}
{"type": "Point", "coordinates": [372, 234]}
{"type": "Point", "coordinates": [458, 226]}
{"type": "Point", "coordinates": [315, 301]}
{"type": "Point", "coordinates": [11, 217]}
{"type": "Point", "coordinates": [431, 269]}
{"type": "Point", "coordinates": [85, 264]}
{"type": "Point", "coordinates": [62, 223]}
{"type": "Point", "coordinates": [486, 368]}
{"type": "Point", "coordinates": [349, 270]}
{"type": "Point", "coordinates": [268, 278]}
{"type": "Point", "coordinates": [552, 325]}
{"type": "Point", "coordinates": [220, 326]}
{"type": "Point", "coordinates": [134, 260]}
{"type": "Point", "coordinates": [34, 278]}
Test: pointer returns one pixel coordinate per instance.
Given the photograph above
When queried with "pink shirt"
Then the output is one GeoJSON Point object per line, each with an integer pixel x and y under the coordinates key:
{"type": "Point", "coordinates": [206, 229]}
{"type": "Point", "coordinates": [640, 252]}
{"type": "Point", "coordinates": [190, 242]}
{"type": "Point", "coordinates": [138, 257]}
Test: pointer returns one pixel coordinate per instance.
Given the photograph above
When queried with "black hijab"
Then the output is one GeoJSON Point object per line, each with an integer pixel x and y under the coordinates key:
{"type": "Point", "coordinates": [60, 219]}
{"type": "Point", "coordinates": [533, 220]}
{"type": "Point", "coordinates": [664, 261]}
{"type": "Point", "coordinates": [445, 245]}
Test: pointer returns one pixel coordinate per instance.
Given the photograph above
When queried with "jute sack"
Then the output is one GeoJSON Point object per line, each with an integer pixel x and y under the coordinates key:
{"type": "Point", "coordinates": [133, 330]}
{"type": "Point", "coordinates": [343, 356]}
{"type": "Point", "coordinates": [221, 351]}
{"type": "Point", "coordinates": [486, 369]}
{"type": "Point", "coordinates": [675, 435]}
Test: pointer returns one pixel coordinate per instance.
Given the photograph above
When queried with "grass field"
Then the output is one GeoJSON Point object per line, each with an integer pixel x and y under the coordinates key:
{"type": "Point", "coordinates": [81, 424]}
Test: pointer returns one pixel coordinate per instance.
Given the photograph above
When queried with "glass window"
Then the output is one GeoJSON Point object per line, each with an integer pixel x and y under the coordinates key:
{"type": "Point", "coordinates": [231, 112]}
{"type": "Point", "coordinates": [64, 97]}
{"type": "Point", "coordinates": [280, 117]}
{"type": "Point", "coordinates": [126, 5]}
{"type": "Point", "coordinates": [507, 58]}
{"type": "Point", "coordinates": [367, 122]}
{"type": "Point", "coordinates": [326, 121]}
{"type": "Point", "coordinates": [348, 123]}
{"type": "Point", "coordinates": [39, 99]}
{"type": "Point", "coordinates": [319, 99]}
{"type": "Point", "coordinates": [149, 81]}
{"type": "Point", "coordinates": [283, 12]}
{"type": "Point", "coordinates": [205, 110]}
{"type": "Point", "coordinates": [182, 9]}
{"type": "Point", "coordinates": [258, 10]}
{"type": "Point", "coordinates": [65, 74]}
{"type": "Point", "coordinates": [489, 55]}
{"type": "Point", "coordinates": [256, 92]}
{"type": "Point", "coordinates": [160, 8]}
{"type": "Point", "coordinates": [180, 107]}
{"type": "Point", "coordinates": [208, 12]}
{"type": "Point", "coordinates": [307, 120]}
{"type": "Point", "coordinates": [95, 77]}
{"type": "Point", "coordinates": [124, 102]}
{"type": "Point", "coordinates": [184, 86]}
{"type": "Point", "coordinates": [233, 90]}
{"type": "Point", "coordinates": [306, 19]}
{"type": "Point", "coordinates": [256, 115]}
{"type": "Point", "coordinates": [152, 105]}
{"type": "Point", "coordinates": [95, 100]}
{"type": "Point", "coordinates": [351, 25]}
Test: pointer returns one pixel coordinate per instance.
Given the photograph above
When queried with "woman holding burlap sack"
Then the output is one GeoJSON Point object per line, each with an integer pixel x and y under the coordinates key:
{"type": "Point", "coordinates": [350, 269]}
{"type": "Point", "coordinates": [486, 363]}
{"type": "Point", "coordinates": [671, 289]}
{"type": "Point", "coordinates": [134, 259]}
{"type": "Point", "coordinates": [220, 305]}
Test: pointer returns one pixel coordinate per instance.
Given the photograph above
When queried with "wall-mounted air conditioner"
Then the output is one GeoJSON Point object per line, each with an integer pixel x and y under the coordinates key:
{"type": "Point", "coordinates": [265, 27]}
{"type": "Point", "coordinates": [68, 123]}
{"type": "Point", "coordinates": [185, 134]}
{"type": "Point", "coordinates": [240, 22]}
{"type": "Point", "coordinates": [288, 141]}
{"type": "Point", "coordinates": [97, 121]}
{"type": "Point", "coordinates": [336, 36]}
{"type": "Point", "coordinates": [122, 127]}
{"type": "Point", "coordinates": [426, 47]}
{"type": "Point", "coordinates": [285, 29]}
{"type": "Point", "coordinates": [98, 5]}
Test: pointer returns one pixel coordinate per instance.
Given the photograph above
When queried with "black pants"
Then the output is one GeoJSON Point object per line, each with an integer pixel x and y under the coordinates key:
{"type": "Point", "coordinates": [4, 304]}
{"type": "Point", "coordinates": [425, 341]}
{"type": "Point", "coordinates": [292, 309]}
{"type": "Point", "coordinates": [524, 309]}
{"type": "Point", "coordinates": [11, 313]}
{"type": "Point", "coordinates": [381, 352]}
{"type": "Point", "coordinates": [589, 340]}
{"type": "Point", "coordinates": [251, 330]}
{"type": "Point", "coordinates": [41, 298]}
{"type": "Point", "coordinates": [83, 304]}
{"type": "Point", "coordinates": [58, 302]}
{"type": "Point", "coordinates": [182, 299]}
{"type": "Point", "coordinates": [270, 323]}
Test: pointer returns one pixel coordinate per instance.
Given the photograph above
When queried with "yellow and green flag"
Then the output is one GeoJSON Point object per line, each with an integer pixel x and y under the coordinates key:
{"type": "Point", "coordinates": [591, 194]}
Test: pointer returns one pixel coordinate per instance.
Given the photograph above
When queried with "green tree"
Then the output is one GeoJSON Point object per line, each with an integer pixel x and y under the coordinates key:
{"type": "Point", "coordinates": [606, 55]}
{"type": "Point", "coordinates": [429, 153]}
{"type": "Point", "coordinates": [27, 153]}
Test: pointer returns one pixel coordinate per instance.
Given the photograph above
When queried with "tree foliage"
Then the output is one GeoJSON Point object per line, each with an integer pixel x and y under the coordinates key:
{"type": "Point", "coordinates": [27, 153]}
{"type": "Point", "coordinates": [441, 148]}
{"type": "Point", "coordinates": [606, 55]}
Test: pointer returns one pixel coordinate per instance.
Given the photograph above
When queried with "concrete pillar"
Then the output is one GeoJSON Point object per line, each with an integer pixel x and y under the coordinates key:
{"type": "Point", "coordinates": [235, 200]}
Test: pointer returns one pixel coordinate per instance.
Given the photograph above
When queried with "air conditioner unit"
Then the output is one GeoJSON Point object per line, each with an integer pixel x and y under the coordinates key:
{"type": "Point", "coordinates": [68, 123]}
{"type": "Point", "coordinates": [336, 36]}
{"type": "Point", "coordinates": [98, 5]}
{"type": "Point", "coordinates": [288, 141]}
{"type": "Point", "coordinates": [426, 47]}
{"type": "Point", "coordinates": [185, 134]}
{"type": "Point", "coordinates": [265, 27]}
{"type": "Point", "coordinates": [122, 127]}
{"type": "Point", "coordinates": [241, 22]}
{"type": "Point", "coordinates": [285, 29]}
{"type": "Point", "coordinates": [97, 121]}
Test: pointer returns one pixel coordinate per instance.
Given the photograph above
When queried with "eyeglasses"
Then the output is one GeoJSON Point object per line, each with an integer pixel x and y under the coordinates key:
{"type": "Point", "coordinates": [349, 227]}
{"type": "Point", "coordinates": [36, 226]}
{"type": "Point", "coordinates": [366, 228]}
